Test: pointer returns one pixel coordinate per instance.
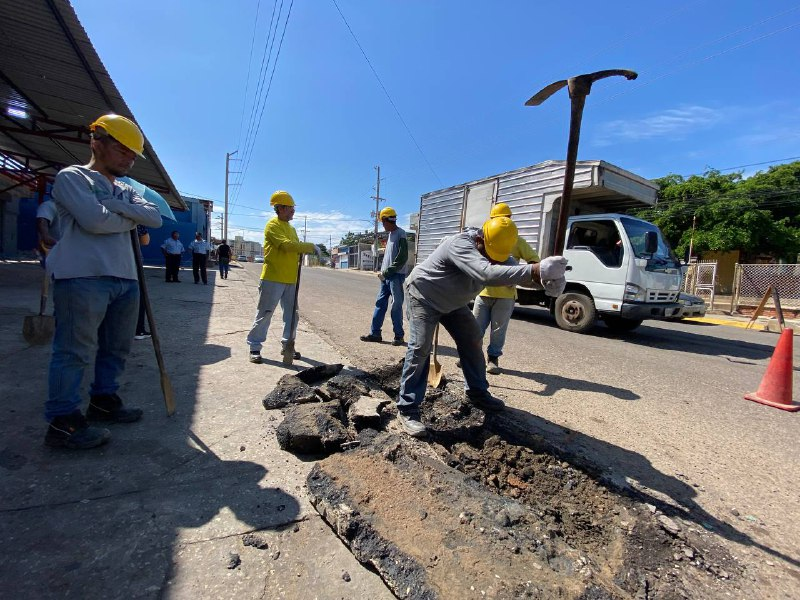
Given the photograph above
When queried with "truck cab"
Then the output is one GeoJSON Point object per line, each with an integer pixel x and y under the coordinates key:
{"type": "Point", "coordinates": [620, 269]}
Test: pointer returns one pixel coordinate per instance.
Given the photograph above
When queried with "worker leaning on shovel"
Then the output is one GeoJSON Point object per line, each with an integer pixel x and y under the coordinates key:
{"type": "Point", "coordinates": [95, 287]}
{"type": "Point", "coordinates": [438, 291]}
{"type": "Point", "coordinates": [282, 250]}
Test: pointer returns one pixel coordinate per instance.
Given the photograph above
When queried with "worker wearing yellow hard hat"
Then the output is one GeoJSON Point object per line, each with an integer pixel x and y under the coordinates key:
{"type": "Point", "coordinates": [392, 274]}
{"type": "Point", "coordinates": [95, 284]}
{"type": "Point", "coordinates": [495, 304]}
{"type": "Point", "coordinates": [282, 252]}
{"type": "Point", "coordinates": [438, 291]}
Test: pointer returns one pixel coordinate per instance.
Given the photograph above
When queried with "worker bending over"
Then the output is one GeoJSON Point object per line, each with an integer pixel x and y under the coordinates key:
{"type": "Point", "coordinates": [439, 289]}
{"type": "Point", "coordinates": [495, 304]}
{"type": "Point", "coordinates": [282, 250]}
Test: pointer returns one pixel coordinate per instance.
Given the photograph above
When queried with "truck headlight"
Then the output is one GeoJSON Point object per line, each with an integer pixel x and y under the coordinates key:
{"type": "Point", "coordinates": [633, 293]}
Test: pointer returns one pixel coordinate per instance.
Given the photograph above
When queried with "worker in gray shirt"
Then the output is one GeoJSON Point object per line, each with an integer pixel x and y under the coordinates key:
{"type": "Point", "coordinates": [95, 289]}
{"type": "Point", "coordinates": [438, 291]}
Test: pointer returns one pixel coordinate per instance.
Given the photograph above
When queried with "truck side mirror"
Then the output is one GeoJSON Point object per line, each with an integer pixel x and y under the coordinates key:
{"type": "Point", "coordinates": [650, 242]}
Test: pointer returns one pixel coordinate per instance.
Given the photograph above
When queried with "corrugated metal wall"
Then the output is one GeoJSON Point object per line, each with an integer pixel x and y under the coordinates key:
{"type": "Point", "coordinates": [523, 190]}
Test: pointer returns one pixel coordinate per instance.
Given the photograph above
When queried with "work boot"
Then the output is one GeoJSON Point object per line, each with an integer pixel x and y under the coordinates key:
{"type": "Point", "coordinates": [73, 432]}
{"type": "Point", "coordinates": [371, 338]}
{"type": "Point", "coordinates": [398, 342]}
{"type": "Point", "coordinates": [486, 401]}
{"type": "Point", "coordinates": [109, 407]}
{"type": "Point", "coordinates": [255, 357]}
{"type": "Point", "coordinates": [493, 366]}
{"type": "Point", "coordinates": [411, 424]}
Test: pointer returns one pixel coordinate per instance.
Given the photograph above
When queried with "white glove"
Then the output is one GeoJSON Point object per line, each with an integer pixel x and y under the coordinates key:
{"type": "Point", "coordinates": [552, 267]}
{"type": "Point", "coordinates": [554, 287]}
{"type": "Point", "coordinates": [318, 250]}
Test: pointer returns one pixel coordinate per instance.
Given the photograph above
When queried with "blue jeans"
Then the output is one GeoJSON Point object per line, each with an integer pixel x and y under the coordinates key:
{"type": "Point", "coordinates": [497, 313]}
{"type": "Point", "coordinates": [224, 266]}
{"type": "Point", "coordinates": [95, 318]}
{"type": "Point", "coordinates": [461, 325]}
{"type": "Point", "coordinates": [391, 286]}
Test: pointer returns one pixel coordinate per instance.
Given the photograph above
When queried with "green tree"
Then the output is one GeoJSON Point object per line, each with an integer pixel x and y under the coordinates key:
{"type": "Point", "coordinates": [351, 239]}
{"type": "Point", "coordinates": [755, 215]}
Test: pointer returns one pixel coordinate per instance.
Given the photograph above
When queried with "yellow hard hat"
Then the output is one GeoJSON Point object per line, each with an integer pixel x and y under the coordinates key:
{"type": "Point", "coordinates": [388, 213]}
{"type": "Point", "coordinates": [499, 237]}
{"type": "Point", "coordinates": [123, 130]}
{"type": "Point", "coordinates": [500, 210]}
{"type": "Point", "coordinates": [281, 198]}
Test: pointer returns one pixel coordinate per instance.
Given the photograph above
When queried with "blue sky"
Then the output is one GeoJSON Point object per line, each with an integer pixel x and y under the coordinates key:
{"type": "Point", "coordinates": [717, 88]}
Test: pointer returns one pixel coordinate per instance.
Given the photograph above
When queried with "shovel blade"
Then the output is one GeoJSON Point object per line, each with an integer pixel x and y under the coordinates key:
{"type": "Point", "coordinates": [288, 353]}
{"type": "Point", "coordinates": [38, 329]}
{"type": "Point", "coordinates": [435, 374]}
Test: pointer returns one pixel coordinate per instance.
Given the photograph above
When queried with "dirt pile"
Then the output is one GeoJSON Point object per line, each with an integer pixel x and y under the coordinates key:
{"type": "Point", "coordinates": [484, 510]}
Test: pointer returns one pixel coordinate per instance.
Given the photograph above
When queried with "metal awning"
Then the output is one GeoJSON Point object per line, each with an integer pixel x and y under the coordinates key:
{"type": "Point", "coordinates": [52, 85]}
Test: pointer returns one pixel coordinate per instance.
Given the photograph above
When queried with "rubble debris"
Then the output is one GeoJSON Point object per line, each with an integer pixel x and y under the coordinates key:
{"type": "Point", "coordinates": [499, 498]}
{"type": "Point", "coordinates": [346, 576]}
{"type": "Point", "coordinates": [255, 540]}
{"type": "Point", "coordinates": [233, 560]}
{"type": "Point", "coordinates": [312, 429]}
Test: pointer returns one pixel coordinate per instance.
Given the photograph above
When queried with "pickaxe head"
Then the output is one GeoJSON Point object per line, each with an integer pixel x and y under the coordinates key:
{"type": "Point", "coordinates": [579, 85]}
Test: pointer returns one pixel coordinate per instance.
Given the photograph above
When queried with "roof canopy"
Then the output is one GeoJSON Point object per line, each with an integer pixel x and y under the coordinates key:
{"type": "Point", "coordinates": [52, 85]}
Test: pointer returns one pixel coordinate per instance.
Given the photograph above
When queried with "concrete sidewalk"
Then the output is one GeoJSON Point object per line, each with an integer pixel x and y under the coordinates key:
{"type": "Point", "coordinates": [157, 512]}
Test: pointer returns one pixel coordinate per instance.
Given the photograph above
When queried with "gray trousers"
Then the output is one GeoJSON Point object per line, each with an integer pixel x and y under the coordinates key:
{"type": "Point", "coordinates": [269, 294]}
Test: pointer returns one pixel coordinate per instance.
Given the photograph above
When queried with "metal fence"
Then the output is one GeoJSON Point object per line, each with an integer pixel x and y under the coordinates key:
{"type": "Point", "coordinates": [750, 282]}
{"type": "Point", "coordinates": [700, 280]}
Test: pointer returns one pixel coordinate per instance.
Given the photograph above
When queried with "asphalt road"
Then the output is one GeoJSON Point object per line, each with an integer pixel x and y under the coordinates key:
{"type": "Point", "coordinates": [661, 408]}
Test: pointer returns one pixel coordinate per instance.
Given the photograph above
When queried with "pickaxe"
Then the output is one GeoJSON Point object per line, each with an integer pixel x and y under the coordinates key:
{"type": "Point", "coordinates": [579, 88]}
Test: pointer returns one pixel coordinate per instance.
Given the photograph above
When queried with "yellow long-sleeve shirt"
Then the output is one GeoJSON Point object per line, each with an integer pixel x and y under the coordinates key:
{"type": "Point", "coordinates": [523, 251]}
{"type": "Point", "coordinates": [282, 250]}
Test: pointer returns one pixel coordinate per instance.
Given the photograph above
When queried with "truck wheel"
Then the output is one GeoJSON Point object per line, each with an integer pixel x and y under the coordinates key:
{"type": "Point", "coordinates": [615, 323]}
{"type": "Point", "coordinates": [575, 312]}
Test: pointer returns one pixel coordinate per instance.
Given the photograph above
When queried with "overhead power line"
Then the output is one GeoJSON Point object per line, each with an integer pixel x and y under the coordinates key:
{"type": "Point", "coordinates": [386, 92]}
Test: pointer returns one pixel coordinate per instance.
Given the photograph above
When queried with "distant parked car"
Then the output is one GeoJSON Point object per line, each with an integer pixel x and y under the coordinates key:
{"type": "Point", "coordinates": [241, 258]}
{"type": "Point", "coordinates": [693, 306]}
{"type": "Point", "coordinates": [258, 259]}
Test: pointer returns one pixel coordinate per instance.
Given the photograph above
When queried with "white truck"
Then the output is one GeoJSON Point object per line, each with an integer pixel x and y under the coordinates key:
{"type": "Point", "coordinates": [620, 268]}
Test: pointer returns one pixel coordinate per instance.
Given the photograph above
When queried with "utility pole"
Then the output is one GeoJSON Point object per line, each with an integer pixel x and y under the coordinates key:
{"type": "Point", "coordinates": [221, 228]}
{"type": "Point", "coordinates": [227, 175]}
{"type": "Point", "coordinates": [305, 227]}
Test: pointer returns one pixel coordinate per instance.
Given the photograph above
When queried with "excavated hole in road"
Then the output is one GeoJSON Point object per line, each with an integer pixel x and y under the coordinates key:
{"type": "Point", "coordinates": [483, 508]}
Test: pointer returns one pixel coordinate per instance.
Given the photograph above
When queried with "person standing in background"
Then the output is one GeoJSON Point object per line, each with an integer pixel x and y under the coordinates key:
{"type": "Point", "coordinates": [200, 249]}
{"type": "Point", "coordinates": [224, 258]}
{"type": "Point", "coordinates": [172, 249]}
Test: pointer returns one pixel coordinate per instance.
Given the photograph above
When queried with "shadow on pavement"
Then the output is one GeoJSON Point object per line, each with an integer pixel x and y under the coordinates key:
{"type": "Point", "coordinates": [554, 383]}
{"type": "Point", "coordinates": [616, 465]}
{"type": "Point", "coordinates": [110, 522]}
{"type": "Point", "coordinates": [663, 338]}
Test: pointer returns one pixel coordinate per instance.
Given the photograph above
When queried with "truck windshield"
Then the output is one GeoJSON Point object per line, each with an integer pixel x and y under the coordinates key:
{"type": "Point", "coordinates": [662, 257]}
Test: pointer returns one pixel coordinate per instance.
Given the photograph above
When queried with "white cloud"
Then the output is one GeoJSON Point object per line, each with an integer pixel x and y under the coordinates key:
{"type": "Point", "coordinates": [674, 123]}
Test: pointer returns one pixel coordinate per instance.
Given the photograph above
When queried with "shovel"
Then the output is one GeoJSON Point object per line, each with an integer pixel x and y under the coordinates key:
{"type": "Point", "coordinates": [38, 329]}
{"type": "Point", "coordinates": [435, 370]}
{"type": "Point", "coordinates": [288, 348]}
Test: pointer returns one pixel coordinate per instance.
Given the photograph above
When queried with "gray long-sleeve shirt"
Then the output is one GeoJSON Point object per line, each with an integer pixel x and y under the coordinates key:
{"type": "Point", "coordinates": [96, 219]}
{"type": "Point", "coordinates": [456, 271]}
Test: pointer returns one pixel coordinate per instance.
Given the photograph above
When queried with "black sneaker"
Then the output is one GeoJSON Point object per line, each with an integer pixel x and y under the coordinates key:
{"type": "Point", "coordinates": [109, 407]}
{"type": "Point", "coordinates": [295, 356]}
{"type": "Point", "coordinates": [486, 402]}
{"type": "Point", "coordinates": [73, 432]}
{"type": "Point", "coordinates": [371, 338]}
{"type": "Point", "coordinates": [398, 342]}
{"type": "Point", "coordinates": [411, 424]}
{"type": "Point", "coordinates": [493, 365]}
{"type": "Point", "coordinates": [255, 357]}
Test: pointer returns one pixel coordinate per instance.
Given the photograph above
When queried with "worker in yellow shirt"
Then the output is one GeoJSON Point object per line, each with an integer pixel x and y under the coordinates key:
{"type": "Point", "coordinates": [494, 305]}
{"type": "Point", "coordinates": [282, 250]}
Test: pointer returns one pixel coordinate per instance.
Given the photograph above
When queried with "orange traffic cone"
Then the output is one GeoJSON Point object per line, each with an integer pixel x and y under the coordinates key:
{"type": "Point", "coordinates": [776, 386]}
